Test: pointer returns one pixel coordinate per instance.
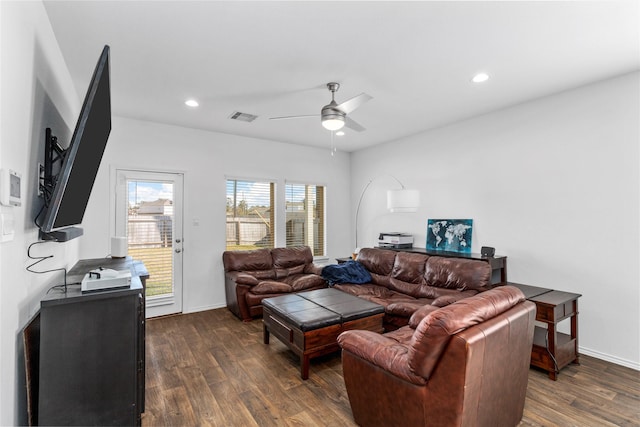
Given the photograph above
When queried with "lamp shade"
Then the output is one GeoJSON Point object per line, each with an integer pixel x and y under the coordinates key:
{"type": "Point", "coordinates": [403, 200]}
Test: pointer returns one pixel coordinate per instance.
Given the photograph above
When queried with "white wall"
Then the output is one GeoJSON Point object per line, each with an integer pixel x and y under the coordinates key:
{"type": "Point", "coordinates": [207, 158]}
{"type": "Point", "coordinates": [36, 92]}
{"type": "Point", "coordinates": [553, 184]}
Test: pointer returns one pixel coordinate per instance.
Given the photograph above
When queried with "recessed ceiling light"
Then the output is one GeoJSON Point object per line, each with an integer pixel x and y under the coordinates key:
{"type": "Point", "coordinates": [480, 77]}
{"type": "Point", "coordinates": [191, 103]}
{"type": "Point", "coordinates": [340, 133]}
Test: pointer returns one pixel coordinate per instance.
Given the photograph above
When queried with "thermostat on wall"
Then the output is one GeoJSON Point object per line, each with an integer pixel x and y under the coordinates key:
{"type": "Point", "coordinates": [10, 187]}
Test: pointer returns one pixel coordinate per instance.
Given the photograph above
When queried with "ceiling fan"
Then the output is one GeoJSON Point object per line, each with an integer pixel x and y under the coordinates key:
{"type": "Point", "coordinates": [334, 115]}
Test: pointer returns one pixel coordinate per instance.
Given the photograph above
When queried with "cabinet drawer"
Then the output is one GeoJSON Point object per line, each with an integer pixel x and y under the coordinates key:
{"type": "Point", "coordinates": [544, 313]}
{"type": "Point", "coordinates": [278, 328]}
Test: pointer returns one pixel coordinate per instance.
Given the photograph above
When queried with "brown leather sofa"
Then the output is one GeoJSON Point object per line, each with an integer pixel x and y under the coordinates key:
{"type": "Point", "coordinates": [465, 364]}
{"type": "Point", "coordinates": [251, 276]}
{"type": "Point", "coordinates": [404, 282]}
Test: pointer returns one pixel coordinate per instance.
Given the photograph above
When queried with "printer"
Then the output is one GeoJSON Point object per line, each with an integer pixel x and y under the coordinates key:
{"type": "Point", "coordinates": [105, 278]}
{"type": "Point", "coordinates": [395, 240]}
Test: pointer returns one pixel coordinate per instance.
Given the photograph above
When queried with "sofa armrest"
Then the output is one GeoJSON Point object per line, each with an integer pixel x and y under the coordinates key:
{"type": "Point", "coordinates": [380, 351]}
{"type": "Point", "coordinates": [236, 297]}
{"type": "Point", "coordinates": [313, 269]}
{"type": "Point", "coordinates": [420, 314]}
{"type": "Point", "coordinates": [242, 278]}
{"type": "Point", "coordinates": [444, 300]}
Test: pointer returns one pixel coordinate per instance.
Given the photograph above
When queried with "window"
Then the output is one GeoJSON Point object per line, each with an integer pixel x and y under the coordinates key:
{"type": "Point", "coordinates": [304, 212]}
{"type": "Point", "coordinates": [250, 214]}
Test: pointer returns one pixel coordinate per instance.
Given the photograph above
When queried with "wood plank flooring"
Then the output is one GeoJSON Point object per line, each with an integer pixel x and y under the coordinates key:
{"type": "Point", "coordinates": [211, 369]}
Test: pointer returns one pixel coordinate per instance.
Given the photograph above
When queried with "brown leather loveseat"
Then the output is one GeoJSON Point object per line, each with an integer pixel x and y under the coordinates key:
{"type": "Point", "coordinates": [251, 276]}
{"type": "Point", "coordinates": [404, 282]}
{"type": "Point", "coordinates": [465, 364]}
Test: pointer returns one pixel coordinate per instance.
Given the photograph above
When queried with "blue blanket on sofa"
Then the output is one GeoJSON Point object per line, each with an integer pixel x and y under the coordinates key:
{"type": "Point", "coordinates": [348, 272]}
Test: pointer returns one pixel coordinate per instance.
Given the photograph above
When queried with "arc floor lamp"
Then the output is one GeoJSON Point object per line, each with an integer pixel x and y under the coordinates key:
{"type": "Point", "coordinates": [402, 200]}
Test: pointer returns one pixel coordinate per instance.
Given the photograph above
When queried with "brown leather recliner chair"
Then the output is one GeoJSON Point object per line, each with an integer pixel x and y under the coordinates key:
{"type": "Point", "coordinates": [466, 364]}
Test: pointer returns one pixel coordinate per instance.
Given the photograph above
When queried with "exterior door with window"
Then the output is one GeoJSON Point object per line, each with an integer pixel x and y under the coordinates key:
{"type": "Point", "coordinates": [149, 214]}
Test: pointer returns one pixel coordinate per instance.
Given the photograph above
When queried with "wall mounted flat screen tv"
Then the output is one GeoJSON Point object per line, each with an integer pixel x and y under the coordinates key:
{"type": "Point", "coordinates": [81, 160]}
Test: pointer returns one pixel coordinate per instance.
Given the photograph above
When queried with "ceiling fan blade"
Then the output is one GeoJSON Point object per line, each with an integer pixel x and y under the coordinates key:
{"type": "Point", "coordinates": [351, 104]}
{"type": "Point", "coordinates": [352, 124]}
{"type": "Point", "coordinates": [294, 117]}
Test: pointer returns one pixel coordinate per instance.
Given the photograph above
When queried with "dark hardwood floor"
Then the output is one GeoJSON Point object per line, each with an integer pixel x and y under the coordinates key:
{"type": "Point", "coordinates": [209, 368]}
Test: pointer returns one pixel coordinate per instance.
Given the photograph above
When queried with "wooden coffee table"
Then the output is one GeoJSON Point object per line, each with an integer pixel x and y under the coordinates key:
{"type": "Point", "coordinates": [309, 323]}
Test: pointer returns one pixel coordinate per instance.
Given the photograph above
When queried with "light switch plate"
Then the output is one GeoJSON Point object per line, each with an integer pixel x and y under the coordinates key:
{"type": "Point", "coordinates": [7, 227]}
{"type": "Point", "coordinates": [10, 188]}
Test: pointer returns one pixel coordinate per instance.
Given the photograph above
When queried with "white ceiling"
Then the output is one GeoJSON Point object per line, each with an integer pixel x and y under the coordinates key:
{"type": "Point", "coordinates": [274, 59]}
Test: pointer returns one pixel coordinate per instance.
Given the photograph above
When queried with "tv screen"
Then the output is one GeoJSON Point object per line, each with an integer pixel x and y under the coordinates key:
{"type": "Point", "coordinates": [82, 158]}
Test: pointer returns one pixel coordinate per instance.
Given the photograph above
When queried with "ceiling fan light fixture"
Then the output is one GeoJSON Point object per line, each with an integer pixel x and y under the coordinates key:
{"type": "Point", "coordinates": [331, 117]}
{"type": "Point", "coordinates": [333, 123]}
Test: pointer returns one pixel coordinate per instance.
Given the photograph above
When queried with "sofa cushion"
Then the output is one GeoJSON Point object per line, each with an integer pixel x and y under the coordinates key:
{"type": "Point", "coordinates": [408, 273]}
{"type": "Point", "coordinates": [262, 274]}
{"type": "Point", "coordinates": [367, 289]}
{"type": "Point", "coordinates": [447, 299]}
{"type": "Point", "coordinates": [409, 267]}
{"type": "Point", "coordinates": [433, 292]}
{"type": "Point", "coordinates": [406, 308]}
{"type": "Point", "coordinates": [420, 314]}
{"type": "Point", "coordinates": [284, 272]}
{"type": "Point", "coordinates": [380, 295]}
{"type": "Point", "coordinates": [402, 335]}
{"type": "Point", "coordinates": [291, 257]}
{"type": "Point", "coordinates": [258, 259]}
{"type": "Point", "coordinates": [271, 287]}
{"type": "Point", "coordinates": [379, 263]}
{"type": "Point", "coordinates": [457, 273]}
{"type": "Point", "coordinates": [300, 282]}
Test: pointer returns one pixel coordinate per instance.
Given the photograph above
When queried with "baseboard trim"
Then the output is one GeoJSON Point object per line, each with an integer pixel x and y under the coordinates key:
{"type": "Point", "coordinates": [203, 308]}
{"type": "Point", "coordinates": [610, 358]}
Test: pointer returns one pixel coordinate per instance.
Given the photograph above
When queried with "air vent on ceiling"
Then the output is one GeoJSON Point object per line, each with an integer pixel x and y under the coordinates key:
{"type": "Point", "coordinates": [243, 117]}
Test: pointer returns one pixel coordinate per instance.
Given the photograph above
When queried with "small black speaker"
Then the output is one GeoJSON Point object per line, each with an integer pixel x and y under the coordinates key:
{"type": "Point", "coordinates": [487, 251]}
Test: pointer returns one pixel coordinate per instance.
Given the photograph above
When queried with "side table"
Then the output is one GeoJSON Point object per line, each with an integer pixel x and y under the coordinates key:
{"type": "Point", "coordinates": [553, 350]}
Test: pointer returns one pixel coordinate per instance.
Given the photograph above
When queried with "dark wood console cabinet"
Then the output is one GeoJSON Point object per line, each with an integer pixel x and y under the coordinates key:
{"type": "Point", "coordinates": [90, 353]}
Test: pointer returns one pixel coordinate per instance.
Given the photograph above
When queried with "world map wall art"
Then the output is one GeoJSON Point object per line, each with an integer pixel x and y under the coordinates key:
{"type": "Point", "coordinates": [449, 235]}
